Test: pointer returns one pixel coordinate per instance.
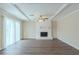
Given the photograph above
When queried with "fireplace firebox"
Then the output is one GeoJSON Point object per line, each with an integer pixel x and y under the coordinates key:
{"type": "Point", "coordinates": [43, 34]}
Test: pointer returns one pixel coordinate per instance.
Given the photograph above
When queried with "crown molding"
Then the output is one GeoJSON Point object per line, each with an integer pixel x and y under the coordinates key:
{"type": "Point", "coordinates": [69, 14]}
{"type": "Point", "coordinates": [59, 11]}
{"type": "Point", "coordinates": [5, 13]}
{"type": "Point", "coordinates": [27, 18]}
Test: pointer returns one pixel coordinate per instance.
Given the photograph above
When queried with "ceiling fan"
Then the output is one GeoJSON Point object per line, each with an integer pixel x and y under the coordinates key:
{"type": "Point", "coordinates": [43, 18]}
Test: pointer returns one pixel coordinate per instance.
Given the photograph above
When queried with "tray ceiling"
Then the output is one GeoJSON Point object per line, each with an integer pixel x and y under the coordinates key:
{"type": "Point", "coordinates": [32, 11]}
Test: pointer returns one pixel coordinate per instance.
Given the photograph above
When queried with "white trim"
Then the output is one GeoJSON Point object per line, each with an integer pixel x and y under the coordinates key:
{"type": "Point", "coordinates": [59, 11]}
{"type": "Point", "coordinates": [29, 38]}
{"type": "Point", "coordinates": [27, 18]}
{"type": "Point", "coordinates": [70, 13]}
{"type": "Point", "coordinates": [69, 43]}
{"type": "Point", "coordinates": [5, 13]}
{"type": "Point", "coordinates": [48, 38]}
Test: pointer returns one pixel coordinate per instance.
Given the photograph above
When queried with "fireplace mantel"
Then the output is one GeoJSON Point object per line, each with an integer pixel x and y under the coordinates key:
{"type": "Point", "coordinates": [44, 29]}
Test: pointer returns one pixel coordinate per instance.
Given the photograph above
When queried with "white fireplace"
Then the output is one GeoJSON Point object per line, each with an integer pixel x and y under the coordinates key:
{"type": "Point", "coordinates": [44, 30]}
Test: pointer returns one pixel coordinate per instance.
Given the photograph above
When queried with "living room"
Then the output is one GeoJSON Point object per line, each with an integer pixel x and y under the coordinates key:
{"type": "Point", "coordinates": [39, 28]}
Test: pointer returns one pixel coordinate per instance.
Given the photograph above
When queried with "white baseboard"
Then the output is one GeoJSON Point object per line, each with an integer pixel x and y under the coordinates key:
{"type": "Point", "coordinates": [28, 38]}
{"type": "Point", "coordinates": [69, 44]}
{"type": "Point", "coordinates": [44, 38]}
{"type": "Point", "coordinates": [39, 38]}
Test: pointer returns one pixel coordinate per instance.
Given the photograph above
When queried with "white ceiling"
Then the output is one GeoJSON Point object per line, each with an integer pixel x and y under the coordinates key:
{"type": "Point", "coordinates": [71, 8]}
{"type": "Point", "coordinates": [32, 11]}
{"type": "Point", "coordinates": [39, 9]}
{"type": "Point", "coordinates": [12, 10]}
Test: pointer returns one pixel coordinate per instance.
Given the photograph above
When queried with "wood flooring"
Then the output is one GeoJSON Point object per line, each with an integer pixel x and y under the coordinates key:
{"type": "Point", "coordinates": [40, 47]}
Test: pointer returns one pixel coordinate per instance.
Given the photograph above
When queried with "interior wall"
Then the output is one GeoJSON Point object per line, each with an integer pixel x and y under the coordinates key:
{"type": "Point", "coordinates": [1, 30]}
{"type": "Point", "coordinates": [54, 28]}
{"type": "Point", "coordinates": [29, 29]}
{"type": "Point", "coordinates": [33, 29]}
{"type": "Point", "coordinates": [68, 29]}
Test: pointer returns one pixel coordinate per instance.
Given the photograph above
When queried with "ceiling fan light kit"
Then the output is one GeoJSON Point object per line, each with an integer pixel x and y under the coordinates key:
{"type": "Point", "coordinates": [43, 18]}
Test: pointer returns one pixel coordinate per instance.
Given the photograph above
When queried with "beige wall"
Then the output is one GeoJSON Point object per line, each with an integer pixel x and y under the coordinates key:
{"type": "Point", "coordinates": [1, 31]}
{"type": "Point", "coordinates": [54, 29]}
{"type": "Point", "coordinates": [33, 29]}
{"type": "Point", "coordinates": [29, 29]}
{"type": "Point", "coordinates": [68, 29]}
